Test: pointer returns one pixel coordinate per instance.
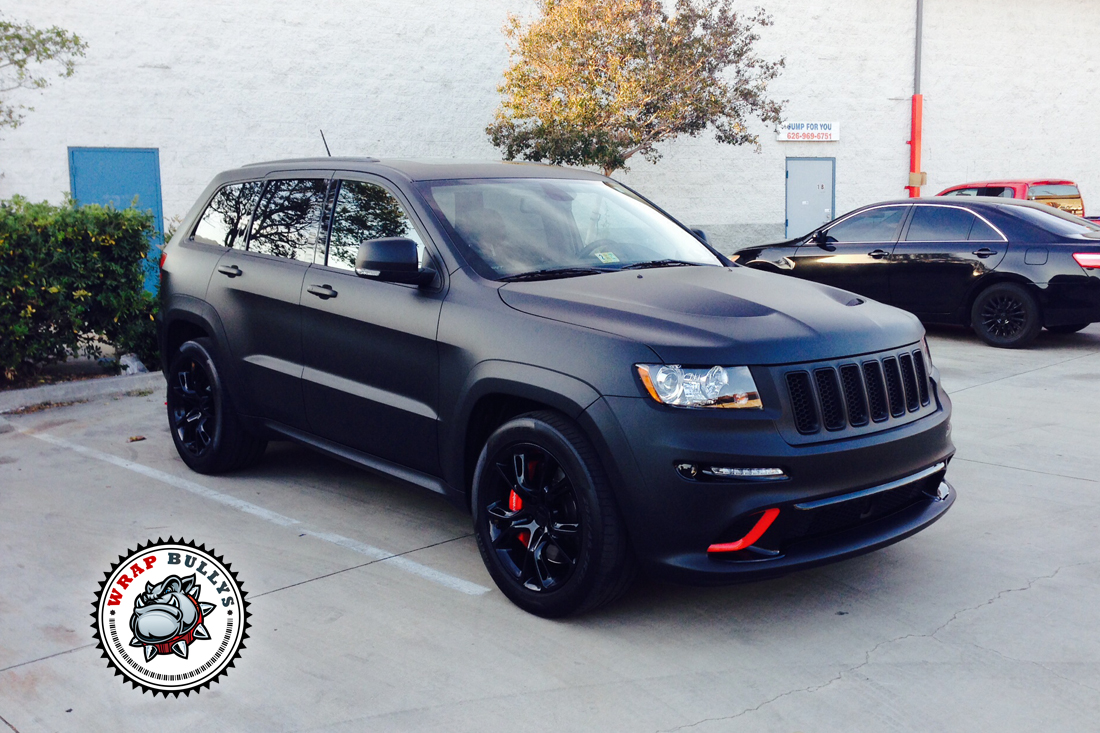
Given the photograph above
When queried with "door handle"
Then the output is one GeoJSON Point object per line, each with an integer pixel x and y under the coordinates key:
{"type": "Point", "coordinates": [985, 252]}
{"type": "Point", "coordinates": [324, 292]}
{"type": "Point", "coordinates": [230, 270]}
{"type": "Point", "coordinates": [878, 254]}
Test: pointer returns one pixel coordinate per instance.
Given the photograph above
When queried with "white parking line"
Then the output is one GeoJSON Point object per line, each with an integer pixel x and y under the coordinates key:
{"type": "Point", "coordinates": [374, 553]}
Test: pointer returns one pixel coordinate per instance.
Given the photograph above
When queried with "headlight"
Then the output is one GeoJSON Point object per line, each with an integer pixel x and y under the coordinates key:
{"type": "Point", "coordinates": [671, 384]}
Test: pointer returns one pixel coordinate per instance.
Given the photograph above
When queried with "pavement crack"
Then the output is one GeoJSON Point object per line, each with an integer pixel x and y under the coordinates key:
{"type": "Point", "coordinates": [869, 653]}
{"type": "Point", "coordinates": [359, 565]}
{"type": "Point", "coordinates": [746, 711]}
{"type": "Point", "coordinates": [1027, 470]}
{"type": "Point", "coordinates": [48, 656]}
{"type": "Point", "coordinates": [1018, 374]}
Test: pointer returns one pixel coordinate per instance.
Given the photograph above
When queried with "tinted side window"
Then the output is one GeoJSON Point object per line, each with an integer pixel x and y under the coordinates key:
{"type": "Point", "coordinates": [288, 218]}
{"type": "Point", "coordinates": [963, 192]}
{"type": "Point", "coordinates": [366, 211]}
{"type": "Point", "coordinates": [982, 232]}
{"type": "Point", "coordinates": [226, 216]}
{"type": "Point", "coordinates": [939, 224]}
{"type": "Point", "coordinates": [876, 225]}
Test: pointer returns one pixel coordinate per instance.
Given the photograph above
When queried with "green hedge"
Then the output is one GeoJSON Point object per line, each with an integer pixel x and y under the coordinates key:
{"type": "Point", "coordinates": [71, 280]}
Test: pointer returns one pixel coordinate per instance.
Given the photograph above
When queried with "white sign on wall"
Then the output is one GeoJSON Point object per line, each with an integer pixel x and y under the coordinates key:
{"type": "Point", "coordinates": [814, 132]}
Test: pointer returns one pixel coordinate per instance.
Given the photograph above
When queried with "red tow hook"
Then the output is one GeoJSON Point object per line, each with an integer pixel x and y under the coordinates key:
{"type": "Point", "coordinates": [750, 539]}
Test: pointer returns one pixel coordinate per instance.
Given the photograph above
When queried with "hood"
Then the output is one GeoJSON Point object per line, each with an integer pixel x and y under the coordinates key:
{"type": "Point", "coordinates": [719, 315]}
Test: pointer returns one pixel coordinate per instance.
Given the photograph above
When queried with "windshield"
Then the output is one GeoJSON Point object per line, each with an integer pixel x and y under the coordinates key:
{"type": "Point", "coordinates": [1053, 220]}
{"type": "Point", "coordinates": [510, 227]}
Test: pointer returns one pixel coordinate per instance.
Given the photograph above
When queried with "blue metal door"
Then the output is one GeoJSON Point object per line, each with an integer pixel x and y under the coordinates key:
{"type": "Point", "coordinates": [116, 176]}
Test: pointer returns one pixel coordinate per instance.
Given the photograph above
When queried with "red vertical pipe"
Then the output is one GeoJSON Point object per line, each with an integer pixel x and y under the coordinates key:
{"type": "Point", "coordinates": [915, 141]}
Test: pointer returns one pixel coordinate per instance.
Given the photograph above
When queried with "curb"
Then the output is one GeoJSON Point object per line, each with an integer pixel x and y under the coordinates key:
{"type": "Point", "coordinates": [87, 389]}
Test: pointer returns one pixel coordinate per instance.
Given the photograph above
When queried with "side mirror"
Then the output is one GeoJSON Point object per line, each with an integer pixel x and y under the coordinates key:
{"type": "Point", "coordinates": [701, 234]}
{"type": "Point", "coordinates": [391, 259]}
{"type": "Point", "coordinates": [821, 239]}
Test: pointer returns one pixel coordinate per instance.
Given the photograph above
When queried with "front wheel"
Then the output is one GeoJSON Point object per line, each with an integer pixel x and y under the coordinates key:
{"type": "Point", "coordinates": [1006, 315]}
{"type": "Point", "coordinates": [206, 430]}
{"type": "Point", "coordinates": [545, 519]}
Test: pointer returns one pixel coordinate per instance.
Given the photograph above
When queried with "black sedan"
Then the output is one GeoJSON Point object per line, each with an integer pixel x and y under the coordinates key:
{"type": "Point", "coordinates": [1005, 268]}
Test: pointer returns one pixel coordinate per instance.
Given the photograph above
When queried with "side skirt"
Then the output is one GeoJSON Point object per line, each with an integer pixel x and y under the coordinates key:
{"type": "Point", "coordinates": [369, 462]}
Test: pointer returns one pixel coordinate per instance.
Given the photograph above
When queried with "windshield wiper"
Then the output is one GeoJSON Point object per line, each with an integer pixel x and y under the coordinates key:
{"type": "Point", "coordinates": [659, 263]}
{"type": "Point", "coordinates": [554, 272]}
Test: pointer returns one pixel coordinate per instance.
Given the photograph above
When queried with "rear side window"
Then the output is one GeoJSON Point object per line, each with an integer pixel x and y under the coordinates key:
{"type": "Point", "coordinates": [875, 225]}
{"type": "Point", "coordinates": [366, 211]}
{"type": "Point", "coordinates": [963, 192]}
{"type": "Point", "coordinates": [288, 218]}
{"type": "Point", "coordinates": [940, 224]}
{"type": "Point", "coordinates": [1052, 189]}
{"type": "Point", "coordinates": [226, 216]}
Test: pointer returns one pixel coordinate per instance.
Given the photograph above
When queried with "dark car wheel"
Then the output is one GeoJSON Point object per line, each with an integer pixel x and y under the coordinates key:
{"type": "Point", "coordinates": [1006, 315]}
{"type": "Point", "coordinates": [207, 432]}
{"type": "Point", "coordinates": [1072, 328]}
{"type": "Point", "coordinates": [545, 520]}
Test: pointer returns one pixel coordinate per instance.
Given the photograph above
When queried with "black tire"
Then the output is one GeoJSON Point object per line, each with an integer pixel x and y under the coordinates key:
{"type": "Point", "coordinates": [575, 556]}
{"type": "Point", "coordinates": [209, 436]}
{"type": "Point", "coordinates": [1072, 328]}
{"type": "Point", "coordinates": [1006, 315]}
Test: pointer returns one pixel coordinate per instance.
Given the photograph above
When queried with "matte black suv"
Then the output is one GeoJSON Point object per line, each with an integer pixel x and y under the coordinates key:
{"type": "Point", "coordinates": [546, 348]}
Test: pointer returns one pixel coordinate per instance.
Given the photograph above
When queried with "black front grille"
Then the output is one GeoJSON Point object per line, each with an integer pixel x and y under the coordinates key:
{"type": "Point", "coordinates": [876, 390]}
{"type": "Point", "coordinates": [853, 395]}
{"type": "Point", "coordinates": [893, 386]}
{"type": "Point", "coordinates": [802, 403]}
{"type": "Point", "coordinates": [844, 395]}
{"type": "Point", "coordinates": [922, 376]}
{"type": "Point", "coordinates": [828, 391]}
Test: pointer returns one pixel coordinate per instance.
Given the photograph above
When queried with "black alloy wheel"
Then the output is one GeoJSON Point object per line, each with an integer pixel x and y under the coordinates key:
{"type": "Point", "coordinates": [545, 518]}
{"type": "Point", "coordinates": [534, 522]}
{"type": "Point", "coordinates": [209, 436]}
{"type": "Point", "coordinates": [192, 410]}
{"type": "Point", "coordinates": [1006, 315]}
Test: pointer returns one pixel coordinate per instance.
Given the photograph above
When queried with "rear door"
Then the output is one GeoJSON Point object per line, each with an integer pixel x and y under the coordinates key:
{"type": "Point", "coordinates": [256, 292]}
{"type": "Point", "coordinates": [857, 252]}
{"type": "Point", "coordinates": [943, 252]}
{"type": "Point", "coordinates": [371, 363]}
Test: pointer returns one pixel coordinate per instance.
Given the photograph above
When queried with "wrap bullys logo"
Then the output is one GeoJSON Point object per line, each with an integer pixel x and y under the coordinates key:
{"type": "Point", "coordinates": [170, 617]}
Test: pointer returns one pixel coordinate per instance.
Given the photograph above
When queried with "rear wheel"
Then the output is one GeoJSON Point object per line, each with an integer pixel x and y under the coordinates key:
{"type": "Point", "coordinates": [1006, 315]}
{"type": "Point", "coordinates": [206, 430]}
{"type": "Point", "coordinates": [1072, 328]}
{"type": "Point", "coordinates": [545, 520]}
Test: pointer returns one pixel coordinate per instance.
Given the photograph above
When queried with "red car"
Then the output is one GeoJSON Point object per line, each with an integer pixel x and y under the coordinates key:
{"type": "Point", "coordinates": [1060, 194]}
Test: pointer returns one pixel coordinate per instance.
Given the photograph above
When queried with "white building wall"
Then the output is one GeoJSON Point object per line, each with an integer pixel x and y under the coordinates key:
{"type": "Point", "coordinates": [1011, 90]}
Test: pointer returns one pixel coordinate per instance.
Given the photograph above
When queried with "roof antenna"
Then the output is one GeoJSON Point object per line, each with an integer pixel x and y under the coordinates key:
{"type": "Point", "coordinates": [325, 142]}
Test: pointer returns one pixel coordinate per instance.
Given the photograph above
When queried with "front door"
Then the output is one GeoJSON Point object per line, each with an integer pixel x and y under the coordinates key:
{"type": "Point", "coordinates": [810, 194]}
{"type": "Point", "coordinates": [856, 252]}
{"type": "Point", "coordinates": [372, 369]}
{"type": "Point", "coordinates": [118, 176]}
{"type": "Point", "coordinates": [943, 252]}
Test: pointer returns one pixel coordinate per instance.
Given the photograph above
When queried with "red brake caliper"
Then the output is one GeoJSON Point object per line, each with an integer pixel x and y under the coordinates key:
{"type": "Point", "coordinates": [515, 504]}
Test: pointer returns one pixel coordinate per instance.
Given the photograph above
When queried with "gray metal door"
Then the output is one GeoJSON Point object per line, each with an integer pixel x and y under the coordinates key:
{"type": "Point", "coordinates": [811, 194]}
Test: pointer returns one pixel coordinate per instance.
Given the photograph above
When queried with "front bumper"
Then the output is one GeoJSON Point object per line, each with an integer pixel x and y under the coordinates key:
{"type": "Point", "coordinates": [673, 520]}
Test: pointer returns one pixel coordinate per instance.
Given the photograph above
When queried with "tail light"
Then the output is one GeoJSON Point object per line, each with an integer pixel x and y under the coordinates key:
{"type": "Point", "coordinates": [160, 268]}
{"type": "Point", "coordinates": [1088, 260]}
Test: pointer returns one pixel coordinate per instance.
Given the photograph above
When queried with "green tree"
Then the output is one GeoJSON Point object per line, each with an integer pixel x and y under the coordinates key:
{"type": "Point", "coordinates": [27, 56]}
{"type": "Point", "coordinates": [594, 82]}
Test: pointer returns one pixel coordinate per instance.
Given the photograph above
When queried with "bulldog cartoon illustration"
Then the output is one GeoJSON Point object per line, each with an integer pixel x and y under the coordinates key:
{"type": "Point", "coordinates": [168, 617]}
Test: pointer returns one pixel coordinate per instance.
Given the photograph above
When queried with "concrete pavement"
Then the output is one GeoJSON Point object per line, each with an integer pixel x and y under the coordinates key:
{"type": "Point", "coordinates": [986, 621]}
